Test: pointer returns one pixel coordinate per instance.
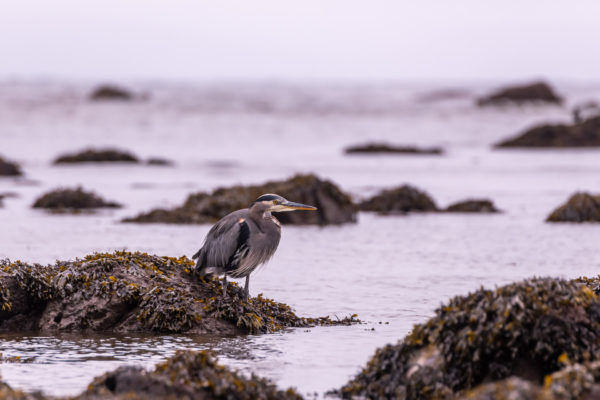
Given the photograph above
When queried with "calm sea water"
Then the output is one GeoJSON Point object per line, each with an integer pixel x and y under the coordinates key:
{"type": "Point", "coordinates": [392, 271]}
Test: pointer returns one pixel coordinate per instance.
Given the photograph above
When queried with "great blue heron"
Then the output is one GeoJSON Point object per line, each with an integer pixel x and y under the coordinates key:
{"type": "Point", "coordinates": [244, 239]}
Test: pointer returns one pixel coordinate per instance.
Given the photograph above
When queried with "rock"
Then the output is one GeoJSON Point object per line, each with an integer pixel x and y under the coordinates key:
{"type": "Point", "coordinates": [402, 199]}
{"type": "Point", "coordinates": [585, 110]}
{"type": "Point", "coordinates": [584, 134]}
{"type": "Point", "coordinates": [97, 155]}
{"type": "Point", "coordinates": [527, 330]}
{"type": "Point", "coordinates": [8, 168]}
{"type": "Point", "coordinates": [186, 375]}
{"type": "Point", "coordinates": [163, 162]}
{"type": "Point", "coordinates": [334, 206]}
{"type": "Point", "coordinates": [581, 207]}
{"type": "Point", "coordinates": [473, 206]}
{"type": "Point", "coordinates": [133, 292]}
{"type": "Point", "coordinates": [592, 283]}
{"type": "Point", "coordinates": [383, 148]}
{"type": "Point", "coordinates": [536, 92]}
{"type": "Point", "coordinates": [8, 393]}
{"type": "Point", "coordinates": [110, 93]}
{"type": "Point", "coordinates": [72, 199]}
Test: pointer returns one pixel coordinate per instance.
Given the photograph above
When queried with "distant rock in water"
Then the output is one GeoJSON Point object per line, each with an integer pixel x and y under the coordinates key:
{"type": "Point", "coordinates": [111, 93]}
{"type": "Point", "coordinates": [581, 207]}
{"type": "Point", "coordinates": [161, 162]}
{"type": "Point", "coordinates": [72, 199]}
{"type": "Point", "coordinates": [383, 148]}
{"type": "Point", "coordinates": [527, 330]}
{"type": "Point", "coordinates": [538, 92]}
{"type": "Point", "coordinates": [584, 134]}
{"type": "Point", "coordinates": [473, 206]}
{"type": "Point", "coordinates": [97, 155]}
{"type": "Point", "coordinates": [399, 200]}
{"type": "Point", "coordinates": [334, 206]}
{"type": "Point", "coordinates": [133, 292]}
{"type": "Point", "coordinates": [8, 168]}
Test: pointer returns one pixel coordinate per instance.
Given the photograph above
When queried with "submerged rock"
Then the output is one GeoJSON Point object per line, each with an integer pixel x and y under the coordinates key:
{"type": "Point", "coordinates": [383, 148]}
{"type": "Point", "coordinates": [402, 199]}
{"type": "Point", "coordinates": [469, 206]}
{"type": "Point", "coordinates": [583, 134]}
{"type": "Point", "coordinates": [97, 155]}
{"type": "Point", "coordinates": [334, 206]}
{"type": "Point", "coordinates": [133, 292]}
{"type": "Point", "coordinates": [163, 162]}
{"type": "Point", "coordinates": [535, 92]}
{"type": "Point", "coordinates": [581, 207]}
{"type": "Point", "coordinates": [111, 93]}
{"type": "Point", "coordinates": [8, 168]}
{"type": "Point", "coordinates": [72, 199]}
{"type": "Point", "coordinates": [527, 329]}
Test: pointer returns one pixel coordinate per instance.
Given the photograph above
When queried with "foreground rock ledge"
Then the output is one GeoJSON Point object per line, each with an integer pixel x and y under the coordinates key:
{"type": "Point", "coordinates": [186, 375]}
{"type": "Point", "coordinates": [334, 206]}
{"type": "Point", "coordinates": [526, 330]}
{"type": "Point", "coordinates": [133, 292]}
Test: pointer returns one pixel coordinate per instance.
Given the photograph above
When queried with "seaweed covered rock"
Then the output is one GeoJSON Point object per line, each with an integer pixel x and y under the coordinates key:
{"type": "Point", "coordinates": [133, 292]}
{"type": "Point", "coordinates": [334, 206]}
{"type": "Point", "coordinates": [539, 92]}
{"type": "Point", "coordinates": [592, 283]}
{"type": "Point", "coordinates": [402, 199]}
{"type": "Point", "coordinates": [582, 134]}
{"type": "Point", "coordinates": [186, 375]}
{"type": "Point", "coordinates": [111, 93]}
{"type": "Point", "coordinates": [473, 206]}
{"type": "Point", "coordinates": [581, 207]}
{"type": "Point", "coordinates": [384, 148]}
{"type": "Point", "coordinates": [97, 155]}
{"type": "Point", "coordinates": [8, 393]}
{"type": "Point", "coordinates": [8, 168]}
{"type": "Point", "coordinates": [72, 199]}
{"type": "Point", "coordinates": [526, 329]}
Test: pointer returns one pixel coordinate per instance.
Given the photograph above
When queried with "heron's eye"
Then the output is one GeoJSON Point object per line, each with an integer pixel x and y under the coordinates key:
{"type": "Point", "coordinates": [275, 202]}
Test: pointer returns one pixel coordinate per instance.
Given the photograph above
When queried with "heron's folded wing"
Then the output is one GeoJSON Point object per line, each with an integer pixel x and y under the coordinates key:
{"type": "Point", "coordinates": [222, 241]}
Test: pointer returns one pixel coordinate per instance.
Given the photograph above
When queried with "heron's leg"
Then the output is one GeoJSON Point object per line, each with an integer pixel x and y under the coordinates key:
{"type": "Point", "coordinates": [247, 286]}
{"type": "Point", "coordinates": [224, 285]}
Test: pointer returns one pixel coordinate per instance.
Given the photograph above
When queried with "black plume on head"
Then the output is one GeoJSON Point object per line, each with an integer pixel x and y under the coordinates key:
{"type": "Point", "coordinates": [268, 197]}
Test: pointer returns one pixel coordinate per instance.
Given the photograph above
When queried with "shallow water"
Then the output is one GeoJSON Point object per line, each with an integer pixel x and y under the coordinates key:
{"type": "Point", "coordinates": [394, 270]}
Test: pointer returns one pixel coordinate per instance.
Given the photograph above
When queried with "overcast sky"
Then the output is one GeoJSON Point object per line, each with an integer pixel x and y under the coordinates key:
{"type": "Point", "coordinates": [301, 40]}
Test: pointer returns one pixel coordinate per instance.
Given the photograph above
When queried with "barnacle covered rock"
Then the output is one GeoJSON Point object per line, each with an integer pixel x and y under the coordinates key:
{"type": "Point", "coordinates": [97, 155]}
{"type": "Point", "coordinates": [9, 168]}
{"type": "Point", "coordinates": [334, 206]}
{"type": "Point", "coordinates": [402, 199]}
{"type": "Point", "coordinates": [526, 329]}
{"type": "Point", "coordinates": [186, 375]}
{"type": "Point", "coordinates": [384, 148]}
{"type": "Point", "coordinates": [473, 205]}
{"type": "Point", "coordinates": [537, 92]}
{"type": "Point", "coordinates": [110, 92]}
{"type": "Point", "coordinates": [581, 207]}
{"type": "Point", "coordinates": [579, 134]}
{"type": "Point", "coordinates": [72, 199]}
{"type": "Point", "coordinates": [133, 292]}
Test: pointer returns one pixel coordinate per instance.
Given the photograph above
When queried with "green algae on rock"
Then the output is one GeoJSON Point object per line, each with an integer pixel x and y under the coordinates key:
{"type": "Point", "coordinates": [9, 168]}
{"type": "Point", "coordinates": [402, 199]}
{"type": "Point", "coordinates": [537, 92]}
{"type": "Point", "coordinates": [581, 207]}
{"type": "Point", "coordinates": [97, 156]}
{"type": "Point", "coordinates": [72, 199]}
{"type": "Point", "coordinates": [334, 206]}
{"type": "Point", "coordinates": [525, 329]}
{"type": "Point", "coordinates": [133, 292]}
{"type": "Point", "coordinates": [473, 206]}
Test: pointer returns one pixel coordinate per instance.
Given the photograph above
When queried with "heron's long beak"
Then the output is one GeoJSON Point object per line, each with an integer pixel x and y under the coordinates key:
{"type": "Point", "coordinates": [291, 206]}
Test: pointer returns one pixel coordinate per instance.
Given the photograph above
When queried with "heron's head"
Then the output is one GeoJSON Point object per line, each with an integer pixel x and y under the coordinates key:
{"type": "Point", "coordinates": [276, 203]}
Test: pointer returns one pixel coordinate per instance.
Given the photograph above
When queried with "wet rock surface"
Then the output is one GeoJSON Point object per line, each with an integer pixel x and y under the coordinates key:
{"type": "Point", "coordinates": [402, 199]}
{"type": "Point", "coordinates": [581, 207]}
{"type": "Point", "coordinates": [134, 292]}
{"type": "Point", "coordinates": [334, 206]}
{"type": "Point", "coordinates": [384, 148]}
{"type": "Point", "coordinates": [9, 168]}
{"type": "Point", "coordinates": [72, 199]}
{"type": "Point", "coordinates": [111, 93]}
{"type": "Point", "coordinates": [539, 92]}
{"type": "Point", "coordinates": [97, 155]}
{"type": "Point", "coordinates": [583, 134]}
{"type": "Point", "coordinates": [473, 206]}
{"type": "Point", "coordinates": [528, 330]}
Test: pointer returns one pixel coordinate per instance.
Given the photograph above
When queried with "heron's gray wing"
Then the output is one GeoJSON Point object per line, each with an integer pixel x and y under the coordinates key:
{"type": "Point", "coordinates": [222, 243]}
